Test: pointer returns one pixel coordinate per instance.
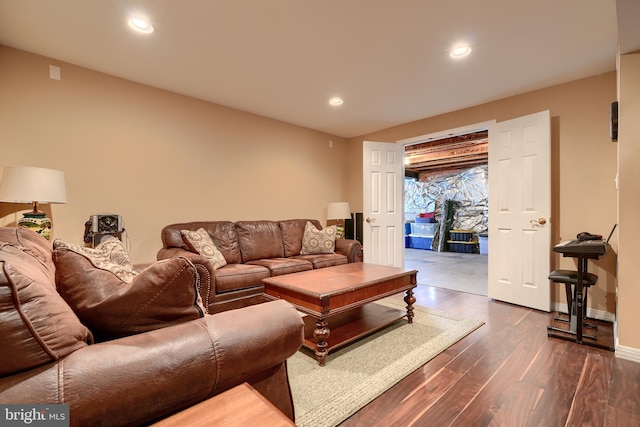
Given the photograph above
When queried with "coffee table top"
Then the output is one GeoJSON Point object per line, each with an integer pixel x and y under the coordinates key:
{"type": "Point", "coordinates": [330, 290]}
{"type": "Point", "coordinates": [340, 279]}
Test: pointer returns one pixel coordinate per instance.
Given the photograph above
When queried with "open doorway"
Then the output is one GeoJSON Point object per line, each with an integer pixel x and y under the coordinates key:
{"type": "Point", "coordinates": [446, 210]}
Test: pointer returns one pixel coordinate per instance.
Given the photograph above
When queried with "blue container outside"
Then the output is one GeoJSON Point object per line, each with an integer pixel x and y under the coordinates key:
{"type": "Point", "coordinates": [421, 242]}
{"type": "Point", "coordinates": [425, 220]}
{"type": "Point", "coordinates": [462, 235]}
{"type": "Point", "coordinates": [463, 247]}
{"type": "Point", "coordinates": [484, 244]}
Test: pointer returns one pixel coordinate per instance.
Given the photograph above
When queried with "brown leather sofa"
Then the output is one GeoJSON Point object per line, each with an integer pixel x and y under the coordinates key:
{"type": "Point", "coordinates": [48, 355]}
{"type": "Point", "coordinates": [253, 250]}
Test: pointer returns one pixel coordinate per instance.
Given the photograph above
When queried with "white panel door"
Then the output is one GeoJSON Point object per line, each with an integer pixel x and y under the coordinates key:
{"type": "Point", "coordinates": [383, 182]}
{"type": "Point", "coordinates": [519, 211]}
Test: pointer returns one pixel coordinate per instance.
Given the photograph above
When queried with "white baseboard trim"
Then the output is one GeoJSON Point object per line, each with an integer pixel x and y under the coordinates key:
{"type": "Point", "coordinates": [594, 314]}
{"type": "Point", "coordinates": [628, 353]}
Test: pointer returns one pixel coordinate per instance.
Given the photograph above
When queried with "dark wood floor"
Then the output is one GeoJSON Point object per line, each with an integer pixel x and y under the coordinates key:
{"type": "Point", "coordinates": [509, 373]}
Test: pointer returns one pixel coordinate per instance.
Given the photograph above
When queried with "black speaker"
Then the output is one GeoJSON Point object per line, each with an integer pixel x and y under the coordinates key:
{"type": "Point", "coordinates": [359, 223]}
{"type": "Point", "coordinates": [353, 227]}
{"type": "Point", "coordinates": [96, 238]}
{"type": "Point", "coordinates": [349, 230]}
{"type": "Point", "coordinates": [613, 126]}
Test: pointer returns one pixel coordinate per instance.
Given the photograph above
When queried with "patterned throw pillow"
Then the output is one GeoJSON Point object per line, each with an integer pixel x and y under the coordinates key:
{"type": "Point", "coordinates": [201, 242]}
{"type": "Point", "coordinates": [316, 241]}
{"type": "Point", "coordinates": [110, 255]}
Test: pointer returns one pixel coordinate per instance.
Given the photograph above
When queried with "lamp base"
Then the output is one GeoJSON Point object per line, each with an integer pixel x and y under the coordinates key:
{"type": "Point", "coordinates": [37, 222]}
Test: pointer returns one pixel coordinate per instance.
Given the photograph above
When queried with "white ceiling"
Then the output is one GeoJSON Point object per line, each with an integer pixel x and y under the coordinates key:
{"type": "Point", "coordinates": [284, 59]}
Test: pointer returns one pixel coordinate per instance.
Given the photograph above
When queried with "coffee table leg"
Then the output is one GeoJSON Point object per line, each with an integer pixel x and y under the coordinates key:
{"type": "Point", "coordinates": [409, 299]}
{"type": "Point", "coordinates": [321, 333]}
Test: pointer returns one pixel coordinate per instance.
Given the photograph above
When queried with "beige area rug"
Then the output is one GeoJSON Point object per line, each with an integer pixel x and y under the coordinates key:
{"type": "Point", "coordinates": [358, 373]}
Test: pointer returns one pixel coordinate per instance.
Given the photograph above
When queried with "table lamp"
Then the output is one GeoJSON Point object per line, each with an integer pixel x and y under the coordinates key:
{"type": "Point", "coordinates": [339, 211]}
{"type": "Point", "coordinates": [26, 184]}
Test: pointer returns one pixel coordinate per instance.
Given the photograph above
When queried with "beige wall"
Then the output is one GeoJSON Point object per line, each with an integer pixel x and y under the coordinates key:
{"type": "Point", "coordinates": [155, 157]}
{"type": "Point", "coordinates": [629, 201]}
{"type": "Point", "coordinates": [583, 163]}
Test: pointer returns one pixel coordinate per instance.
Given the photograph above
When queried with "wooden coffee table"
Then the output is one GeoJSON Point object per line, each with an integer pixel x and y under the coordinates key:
{"type": "Point", "coordinates": [337, 299]}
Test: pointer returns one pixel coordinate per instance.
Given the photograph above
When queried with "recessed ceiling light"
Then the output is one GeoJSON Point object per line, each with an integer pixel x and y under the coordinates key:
{"type": "Point", "coordinates": [460, 51]}
{"type": "Point", "coordinates": [140, 25]}
{"type": "Point", "coordinates": [335, 101]}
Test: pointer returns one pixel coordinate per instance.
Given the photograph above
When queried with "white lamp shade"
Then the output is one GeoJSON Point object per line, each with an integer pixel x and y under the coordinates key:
{"type": "Point", "coordinates": [26, 184]}
{"type": "Point", "coordinates": [338, 210]}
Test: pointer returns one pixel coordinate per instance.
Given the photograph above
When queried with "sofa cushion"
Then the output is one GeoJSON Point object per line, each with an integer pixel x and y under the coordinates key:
{"type": "Point", "coordinates": [223, 234]}
{"type": "Point", "coordinates": [201, 242]}
{"type": "Point", "coordinates": [162, 294]}
{"type": "Point", "coordinates": [259, 240]}
{"type": "Point", "coordinates": [233, 277]}
{"type": "Point", "coordinates": [292, 231]}
{"type": "Point", "coordinates": [324, 260]}
{"type": "Point", "coordinates": [279, 266]}
{"type": "Point", "coordinates": [34, 243]}
{"type": "Point", "coordinates": [38, 327]}
{"type": "Point", "coordinates": [315, 241]}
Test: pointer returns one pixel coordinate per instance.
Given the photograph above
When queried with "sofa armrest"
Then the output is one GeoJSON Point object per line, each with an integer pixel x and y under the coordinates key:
{"type": "Point", "coordinates": [140, 378]}
{"type": "Point", "coordinates": [166, 253]}
{"type": "Point", "coordinates": [203, 267]}
{"type": "Point", "coordinates": [350, 248]}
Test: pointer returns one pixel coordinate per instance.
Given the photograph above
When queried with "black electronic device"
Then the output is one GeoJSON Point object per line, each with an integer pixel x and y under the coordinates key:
{"type": "Point", "coordinates": [106, 223]}
{"type": "Point", "coordinates": [588, 236]}
{"type": "Point", "coordinates": [101, 226]}
{"type": "Point", "coordinates": [613, 129]}
{"type": "Point", "coordinates": [582, 251]}
{"type": "Point", "coordinates": [353, 227]}
{"type": "Point", "coordinates": [595, 247]}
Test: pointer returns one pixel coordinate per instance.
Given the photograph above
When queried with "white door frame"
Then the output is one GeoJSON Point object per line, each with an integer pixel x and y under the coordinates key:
{"type": "Point", "coordinates": [462, 130]}
{"type": "Point", "coordinates": [448, 133]}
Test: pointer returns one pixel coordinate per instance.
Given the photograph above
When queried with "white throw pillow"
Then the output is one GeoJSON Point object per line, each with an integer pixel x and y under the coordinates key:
{"type": "Point", "coordinates": [316, 241]}
{"type": "Point", "coordinates": [201, 242]}
{"type": "Point", "coordinates": [110, 255]}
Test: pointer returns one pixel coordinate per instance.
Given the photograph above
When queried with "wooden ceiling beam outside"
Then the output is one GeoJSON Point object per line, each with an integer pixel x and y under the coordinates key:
{"type": "Point", "coordinates": [463, 151]}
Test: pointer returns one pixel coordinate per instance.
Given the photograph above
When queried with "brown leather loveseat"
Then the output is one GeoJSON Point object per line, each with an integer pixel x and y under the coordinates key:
{"type": "Point", "coordinates": [253, 250]}
{"type": "Point", "coordinates": [153, 360]}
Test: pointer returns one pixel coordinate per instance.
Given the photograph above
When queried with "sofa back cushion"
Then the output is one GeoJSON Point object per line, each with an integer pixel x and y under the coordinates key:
{"type": "Point", "coordinates": [36, 245]}
{"type": "Point", "coordinates": [259, 240]}
{"type": "Point", "coordinates": [37, 325]}
{"type": "Point", "coordinates": [292, 233]}
{"type": "Point", "coordinates": [223, 234]}
{"type": "Point", "coordinates": [110, 255]}
{"type": "Point", "coordinates": [165, 293]}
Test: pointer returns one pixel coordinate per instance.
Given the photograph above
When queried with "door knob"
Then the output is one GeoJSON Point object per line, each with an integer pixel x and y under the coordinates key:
{"type": "Point", "coordinates": [539, 221]}
{"type": "Point", "coordinates": [370, 220]}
